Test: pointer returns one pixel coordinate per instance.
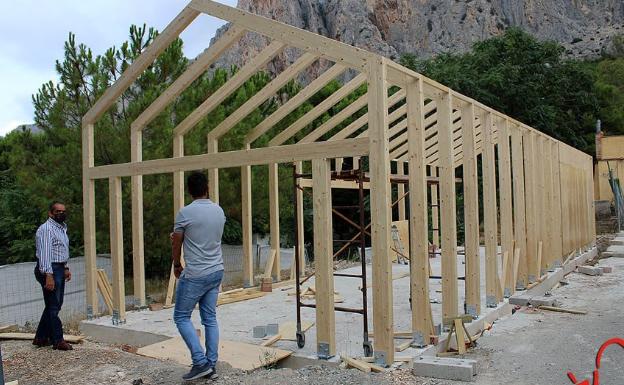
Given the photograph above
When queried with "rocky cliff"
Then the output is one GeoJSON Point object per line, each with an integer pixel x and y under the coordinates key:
{"type": "Point", "coordinates": [427, 27]}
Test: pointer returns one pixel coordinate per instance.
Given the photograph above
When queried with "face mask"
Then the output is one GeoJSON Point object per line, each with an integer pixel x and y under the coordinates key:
{"type": "Point", "coordinates": [60, 217]}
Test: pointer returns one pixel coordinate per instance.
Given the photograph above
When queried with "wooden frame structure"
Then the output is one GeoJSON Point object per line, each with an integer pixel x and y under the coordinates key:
{"type": "Point", "coordinates": [545, 186]}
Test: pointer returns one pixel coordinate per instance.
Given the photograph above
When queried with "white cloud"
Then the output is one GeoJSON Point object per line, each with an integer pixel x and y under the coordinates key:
{"type": "Point", "coordinates": [32, 33]}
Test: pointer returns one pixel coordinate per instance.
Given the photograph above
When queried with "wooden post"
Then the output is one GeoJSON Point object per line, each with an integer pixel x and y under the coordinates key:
{"type": "Point", "coordinates": [88, 199]}
{"type": "Point", "coordinates": [471, 213]}
{"type": "Point", "coordinates": [448, 224]}
{"type": "Point", "coordinates": [506, 210]}
{"type": "Point", "coordinates": [401, 190]}
{"type": "Point", "coordinates": [213, 173]}
{"type": "Point", "coordinates": [531, 212]}
{"type": "Point", "coordinates": [323, 259]}
{"type": "Point", "coordinates": [274, 218]}
{"type": "Point", "coordinates": [247, 215]}
{"type": "Point", "coordinates": [548, 205]}
{"type": "Point", "coordinates": [557, 204]}
{"type": "Point", "coordinates": [519, 206]}
{"type": "Point", "coordinates": [138, 253]}
{"type": "Point", "coordinates": [379, 163]}
{"type": "Point", "coordinates": [540, 201]}
{"type": "Point", "coordinates": [435, 209]}
{"type": "Point", "coordinates": [419, 233]}
{"type": "Point", "coordinates": [116, 246]}
{"type": "Point", "coordinates": [299, 214]}
{"type": "Point", "coordinates": [489, 212]}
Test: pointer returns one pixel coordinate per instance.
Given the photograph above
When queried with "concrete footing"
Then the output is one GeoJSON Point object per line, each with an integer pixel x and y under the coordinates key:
{"type": "Point", "coordinates": [590, 270]}
{"type": "Point", "coordinates": [445, 368]}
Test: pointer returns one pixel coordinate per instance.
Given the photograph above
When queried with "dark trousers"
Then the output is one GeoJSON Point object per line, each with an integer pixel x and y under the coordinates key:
{"type": "Point", "coordinates": [50, 326]}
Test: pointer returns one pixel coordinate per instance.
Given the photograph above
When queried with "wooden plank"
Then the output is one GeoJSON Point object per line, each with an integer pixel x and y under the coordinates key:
{"type": "Point", "coordinates": [261, 96]}
{"type": "Point", "coordinates": [227, 300]}
{"type": "Point", "coordinates": [182, 82]}
{"type": "Point", "coordinates": [213, 172]}
{"type": "Point", "coordinates": [549, 209]}
{"type": "Point", "coordinates": [505, 267]}
{"type": "Point", "coordinates": [274, 229]}
{"type": "Point", "coordinates": [435, 209]}
{"type": "Point", "coordinates": [239, 355]}
{"type": "Point", "coordinates": [288, 330]}
{"type": "Point", "coordinates": [448, 223]}
{"type": "Point", "coordinates": [505, 200]}
{"type": "Point", "coordinates": [160, 43]}
{"type": "Point", "coordinates": [247, 222]}
{"type": "Point", "coordinates": [516, 264]}
{"type": "Point", "coordinates": [138, 253]}
{"type": "Point", "coordinates": [360, 365]}
{"type": "Point", "coordinates": [400, 193]}
{"type": "Point", "coordinates": [539, 255]}
{"type": "Point", "coordinates": [380, 197]}
{"type": "Point", "coordinates": [227, 89]}
{"type": "Point", "coordinates": [318, 110]}
{"type": "Point", "coordinates": [530, 205]}
{"type": "Point", "coordinates": [30, 336]}
{"type": "Point", "coordinates": [336, 119]}
{"type": "Point", "coordinates": [461, 337]}
{"type": "Point", "coordinates": [325, 47]}
{"type": "Point", "coordinates": [540, 198]}
{"type": "Point", "coordinates": [323, 259]}
{"type": "Point", "coordinates": [88, 219]}
{"type": "Point", "coordinates": [294, 102]}
{"type": "Point", "coordinates": [256, 156]}
{"type": "Point", "coordinates": [104, 290]}
{"type": "Point", "coordinates": [8, 328]}
{"type": "Point", "coordinates": [418, 217]}
{"type": "Point", "coordinates": [271, 340]}
{"type": "Point", "coordinates": [268, 269]}
{"type": "Point", "coordinates": [300, 222]}
{"type": "Point", "coordinates": [562, 310]}
{"type": "Point", "coordinates": [471, 213]}
{"type": "Point", "coordinates": [517, 159]}
{"type": "Point", "coordinates": [490, 213]}
{"type": "Point", "coordinates": [116, 247]}
{"type": "Point", "coordinates": [403, 346]}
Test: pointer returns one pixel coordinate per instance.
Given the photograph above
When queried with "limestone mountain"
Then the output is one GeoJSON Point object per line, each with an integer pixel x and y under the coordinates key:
{"type": "Point", "coordinates": [424, 28]}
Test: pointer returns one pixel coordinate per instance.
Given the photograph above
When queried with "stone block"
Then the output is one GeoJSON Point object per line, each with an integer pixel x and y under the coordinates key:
{"type": "Point", "coordinates": [590, 270]}
{"type": "Point", "coordinates": [445, 368]}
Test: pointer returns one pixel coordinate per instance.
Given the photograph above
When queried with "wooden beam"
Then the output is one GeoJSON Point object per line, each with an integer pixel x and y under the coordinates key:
{"type": "Point", "coordinates": [530, 205]}
{"type": "Point", "coordinates": [548, 205]}
{"type": "Point", "coordinates": [213, 172]}
{"type": "Point", "coordinates": [318, 110]}
{"type": "Point", "coordinates": [448, 223]}
{"type": "Point", "coordinates": [160, 43]}
{"type": "Point", "coordinates": [540, 200]}
{"type": "Point", "coordinates": [336, 119]}
{"type": "Point", "coordinates": [471, 213]}
{"type": "Point", "coordinates": [116, 246]}
{"type": "Point", "coordinates": [227, 89]}
{"type": "Point", "coordinates": [300, 222]}
{"type": "Point", "coordinates": [558, 228]}
{"type": "Point", "coordinates": [261, 96]}
{"type": "Point", "coordinates": [138, 253]}
{"type": "Point", "coordinates": [435, 209]}
{"type": "Point", "coordinates": [401, 190]}
{"type": "Point", "coordinates": [88, 213]}
{"type": "Point", "coordinates": [256, 156]}
{"type": "Point", "coordinates": [506, 205]}
{"type": "Point", "coordinates": [418, 211]}
{"type": "Point", "coordinates": [274, 218]}
{"type": "Point", "coordinates": [294, 102]}
{"type": "Point", "coordinates": [323, 259]}
{"type": "Point", "coordinates": [325, 47]}
{"type": "Point", "coordinates": [247, 222]}
{"type": "Point", "coordinates": [195, 70]}
{"type": "Point", "coordinates": [379, 164]}
{"type": "Point", "coordinates": [490, 213]}
{"type": "Point", "coordinates": [517, 155]}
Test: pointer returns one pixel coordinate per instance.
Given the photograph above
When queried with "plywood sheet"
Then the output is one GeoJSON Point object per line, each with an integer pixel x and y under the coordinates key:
{"type": "Point", "coordinates": [288, 330]}
{"type": "Point", "coordinates": [237, 354]}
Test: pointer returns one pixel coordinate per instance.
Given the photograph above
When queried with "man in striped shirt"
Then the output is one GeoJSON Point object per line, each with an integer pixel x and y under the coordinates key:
{"type": "Point", "coordinates": [52, 272]}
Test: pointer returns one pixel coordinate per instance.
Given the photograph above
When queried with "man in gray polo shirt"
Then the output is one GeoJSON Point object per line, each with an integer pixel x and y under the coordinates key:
{"type": "Point", "coordinates": [198, 229]}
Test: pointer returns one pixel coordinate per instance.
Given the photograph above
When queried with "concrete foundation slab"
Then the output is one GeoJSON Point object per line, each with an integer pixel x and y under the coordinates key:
{"type": "Point", "coordinates": [445, 368]}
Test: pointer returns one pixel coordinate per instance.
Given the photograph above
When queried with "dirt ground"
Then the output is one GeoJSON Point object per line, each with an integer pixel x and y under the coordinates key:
{"type": "Point", "coordinates": [529, 347]}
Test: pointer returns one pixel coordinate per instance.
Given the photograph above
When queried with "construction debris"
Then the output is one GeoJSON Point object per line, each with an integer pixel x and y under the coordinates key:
{"type": "Point", "coordinates": [562, 310]}
{"type": "Point", "coordinates": [590, 270]}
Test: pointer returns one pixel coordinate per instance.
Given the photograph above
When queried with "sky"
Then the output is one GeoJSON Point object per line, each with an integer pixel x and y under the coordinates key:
{"type": "Point", "coordinates": [32, 34]}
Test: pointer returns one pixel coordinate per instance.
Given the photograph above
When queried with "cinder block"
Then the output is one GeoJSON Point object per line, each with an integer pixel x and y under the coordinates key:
{"type": "Point", "coordinates": [445, 368]}
{"type": "Point", "coordinates": [542, 301]}
{"type": "Point", "coordinates": [272, 329]}
{"type": "Point", "coordinates": [259, 331]}
{"type": "Point", "coordinates": [520, 300]}
{"type": "Point", "coordinates": [606, 269]}
{"type": "Point", "coordinates": [590, 270]}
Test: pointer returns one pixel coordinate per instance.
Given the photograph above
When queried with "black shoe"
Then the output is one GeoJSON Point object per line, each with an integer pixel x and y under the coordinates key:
{"type": "Point", "coordinates": [198, 371]}
{"type": "Point", "coordinates": [213, 375]}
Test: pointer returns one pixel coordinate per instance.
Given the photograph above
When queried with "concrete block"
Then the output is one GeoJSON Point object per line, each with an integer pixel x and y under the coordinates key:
{"type": "Point", "coordinates": [520, 300]}
{"type": "Point", "coordinates": [542, 301]}
{"type": "Point", "coordinates": [590, 270]}
{"type": "Point", "coordinates": [445, 368]}
{"type": "Point", "coordinates": [618, 241]}
{"type": "Point", "coordinates": [272, 329]}
{"type": "Point", "coordinates": [606, 269]}
{"type": "Point", "coordinates": [259, 332]}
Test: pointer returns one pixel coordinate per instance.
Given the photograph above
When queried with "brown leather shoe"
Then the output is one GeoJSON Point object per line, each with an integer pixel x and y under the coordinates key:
{"type": "Point", "coordinates": [63, 345]}
{"type": "Point", "coordinates": [41, 343]}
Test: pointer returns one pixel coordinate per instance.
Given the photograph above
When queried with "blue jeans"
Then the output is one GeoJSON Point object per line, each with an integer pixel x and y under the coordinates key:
{"type": "Point", "coordinates": [50, 326]}
{"type": "Point", "coordinates": [205, 291]}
